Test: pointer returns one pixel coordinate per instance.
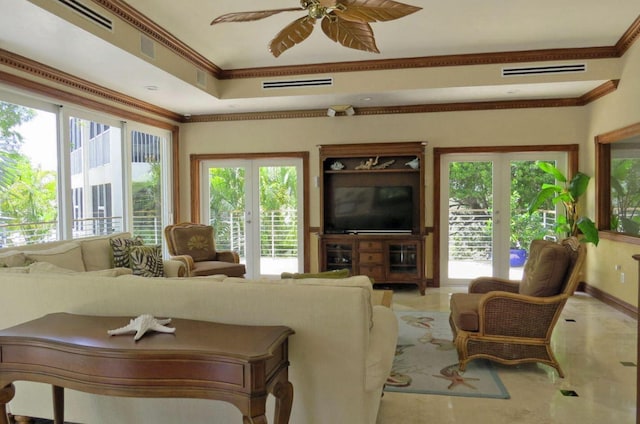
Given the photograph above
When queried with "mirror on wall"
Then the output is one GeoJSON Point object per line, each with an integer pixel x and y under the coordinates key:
{"type": "Point", "coordinates": [618, 177]}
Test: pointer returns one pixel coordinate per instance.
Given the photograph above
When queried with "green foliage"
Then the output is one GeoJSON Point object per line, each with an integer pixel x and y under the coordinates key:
{"type": "Point", "coordinates": [11, 140]}
{"type": "Point", "coordinates": [568, 194]}
{"type": "Point", "coordinates": [625, 195]}
{"type": "Point", "coordinates": [28, 198]}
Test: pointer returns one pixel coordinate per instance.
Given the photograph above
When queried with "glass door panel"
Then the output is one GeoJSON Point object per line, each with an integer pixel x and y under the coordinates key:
{"type": "Point", "coordinates": [487, 228]}
{"type": "Point", "coordinates": [254, 207]}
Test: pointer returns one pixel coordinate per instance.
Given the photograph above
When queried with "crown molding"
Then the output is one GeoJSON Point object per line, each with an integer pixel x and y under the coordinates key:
{"type": "Point", "coordinates": [586, 98]}
{"type": "Point", "coordinates": [628, 38]}
{"type": "Point", "coordinates": [52, 75]}
{"type": "Point", "coordinates": [158, 33]}
{"type": "Point", "coordinates": [426, 62]}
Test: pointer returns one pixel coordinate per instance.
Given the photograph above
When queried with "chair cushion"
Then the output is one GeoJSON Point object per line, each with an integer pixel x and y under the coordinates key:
{"type": "Point", "coordinates": [194, 240]}
{"type": "Point", "coordinates": [545, 270]}
{"type": "Point", "coordinates": [217, 267]}
{"type": "Point", "coordinates": [12, 258]}
{"type": "Point", "coordinates": [464, 310]}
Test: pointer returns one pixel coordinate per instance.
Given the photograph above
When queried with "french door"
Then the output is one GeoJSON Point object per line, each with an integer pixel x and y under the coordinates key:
{"type": "Point", "coordinates": [255, 207]}
{"type": "Point", "coordinates": [486, 229]}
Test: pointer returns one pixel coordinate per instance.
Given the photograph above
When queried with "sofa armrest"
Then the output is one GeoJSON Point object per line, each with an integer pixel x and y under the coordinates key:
{"type": "Point", "coordinates": [228, 256]}
{"type": "Point", "coordinates": [489, 284]}
{"type": "Point", "coordinates": [383, 338]}
{"type": "Point", "coordinates": [174, 268]}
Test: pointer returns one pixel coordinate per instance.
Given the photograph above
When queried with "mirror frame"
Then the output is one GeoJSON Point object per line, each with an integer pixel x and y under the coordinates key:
{"type": "Point", "coordinates": [603, 181]}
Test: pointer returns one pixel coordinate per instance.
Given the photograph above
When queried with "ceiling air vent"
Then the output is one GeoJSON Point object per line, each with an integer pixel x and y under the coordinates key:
{"type": "Point", "coordinates": [544, 70]}
{"type": "Point", "coordinates": [88, 13]}
{"type": "Point", "coordinates": [316, 82]}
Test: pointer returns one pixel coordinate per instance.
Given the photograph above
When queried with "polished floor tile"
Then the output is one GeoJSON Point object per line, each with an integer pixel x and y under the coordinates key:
{"type": "Point", "coordinates": [595, 345]}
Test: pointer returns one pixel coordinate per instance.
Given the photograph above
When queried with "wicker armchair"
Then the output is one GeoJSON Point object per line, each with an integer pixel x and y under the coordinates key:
{"type": "Point", "coordinates": [511, 322]}
{"type": "Point", "coordinates": [194, 245]}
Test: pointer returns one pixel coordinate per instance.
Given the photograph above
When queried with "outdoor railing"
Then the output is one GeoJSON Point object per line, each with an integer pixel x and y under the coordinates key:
{"type": "Point", "coordinates": [278, 231]}
{"type": "Point", "coordinates": [471, 233]}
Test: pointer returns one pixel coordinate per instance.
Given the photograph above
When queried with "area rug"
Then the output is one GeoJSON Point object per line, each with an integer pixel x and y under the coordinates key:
{"type": "Point", "coordinates": [426, 361]}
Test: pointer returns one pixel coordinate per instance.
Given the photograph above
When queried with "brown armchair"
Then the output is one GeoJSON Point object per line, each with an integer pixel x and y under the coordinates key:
{"type": "Point", "coordinates": [195, 246]}
{"type": "Point", "coordinates": [511, 322]}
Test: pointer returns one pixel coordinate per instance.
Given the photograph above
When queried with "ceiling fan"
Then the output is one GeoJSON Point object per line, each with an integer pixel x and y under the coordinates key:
{"type": "Point", "coordinates": [344, 21]}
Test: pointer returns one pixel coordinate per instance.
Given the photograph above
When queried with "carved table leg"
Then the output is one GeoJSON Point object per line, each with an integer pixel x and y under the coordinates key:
{"type": "Point", "coordinates": [6, 394]}
{"type": "Point", "coordinates": [283, 392]}
{"type": "Point", "coordinates": [261, 419]}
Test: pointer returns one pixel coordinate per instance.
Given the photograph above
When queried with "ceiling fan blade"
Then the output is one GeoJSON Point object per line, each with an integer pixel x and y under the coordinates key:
{"type": "Point", "coordinates": [251, 16]}
{"type": "Point", "coordinates": [352, 34]}
{"type": "Point", "coordinates": [294, 33]}
{"type": "Point", "coordinates": [374, 10]}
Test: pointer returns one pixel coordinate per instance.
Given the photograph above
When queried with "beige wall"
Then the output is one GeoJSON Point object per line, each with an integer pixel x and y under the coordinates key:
{"type": "Point", "coordinates": [451, 129]}
{"type": "Point", "coordinates": [477, 128]}
{"type": "Point", "coordinates": [614, 111]}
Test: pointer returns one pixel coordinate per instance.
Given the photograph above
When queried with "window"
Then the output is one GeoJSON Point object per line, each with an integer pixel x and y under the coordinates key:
{"type": "Point", "coordinates": [618, 180]}
{"type": "Point", "coordinates": [91, 188]}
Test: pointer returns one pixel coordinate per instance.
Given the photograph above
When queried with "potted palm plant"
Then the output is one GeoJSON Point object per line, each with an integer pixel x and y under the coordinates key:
{"type": "Point", "coordinates": [566, 192]}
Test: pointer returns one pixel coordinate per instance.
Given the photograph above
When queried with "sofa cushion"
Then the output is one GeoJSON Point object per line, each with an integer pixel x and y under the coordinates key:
{"type": "Point", "coordinates": [217, 267]}
{"type": "Point", "coordinates": [545, 270]}
{"type": "Point", "coordinates": [464, 310]}
{"type": "Point", "coordinates": [120, 250]}
{"type": "Point", "coordinates": [47, 268]}
{"type": "Point", "coordinates": [97, 254]}
{"type": "Point", "coordinates": [146, 261]}
{"type": "Point", "coordinates": [67, 255]}
{"type": "Point", "coordinates": [196, 241]}
{"type": "Point", "coordinates": [12, 258]}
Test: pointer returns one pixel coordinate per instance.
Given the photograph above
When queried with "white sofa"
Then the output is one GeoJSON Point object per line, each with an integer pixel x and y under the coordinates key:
{"type": "Point", "coordinates": [340, 354]}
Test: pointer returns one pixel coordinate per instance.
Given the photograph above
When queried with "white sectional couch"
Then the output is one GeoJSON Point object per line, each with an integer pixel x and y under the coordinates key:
{"type": "Point", "coordinates": [340, 354]}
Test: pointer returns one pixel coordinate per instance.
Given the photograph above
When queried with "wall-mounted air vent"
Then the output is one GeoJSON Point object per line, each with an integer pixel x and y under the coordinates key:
{"type": "Point", "coordinates": [201, 78]}
{"type": "Point", "coordinates": [544, 70]}
{"type": "Point", "coordinates": [147, 47]}
{"type": "Point", "coordinates": [316, 82]}
{"type": "Point", "coordinates": [88, 13]}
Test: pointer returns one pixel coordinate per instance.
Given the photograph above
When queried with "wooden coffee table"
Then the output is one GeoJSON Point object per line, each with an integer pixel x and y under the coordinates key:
{"type": "Point", "coordinates": [234, 363]}
{"type": "Point", "coordinates": [382, 297]}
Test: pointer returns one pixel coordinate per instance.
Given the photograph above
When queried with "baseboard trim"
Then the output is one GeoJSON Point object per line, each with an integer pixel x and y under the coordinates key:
{"type": "Point", "coordinates": [614, 302]}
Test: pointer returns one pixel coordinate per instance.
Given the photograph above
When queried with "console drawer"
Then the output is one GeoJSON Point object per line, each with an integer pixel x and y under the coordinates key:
{"type": "Point", "coordinates": [371, 258]}
{"type": "Point", "coordinates": [370, 245]}
{"type": "Point", "coordinates": [374, 271]}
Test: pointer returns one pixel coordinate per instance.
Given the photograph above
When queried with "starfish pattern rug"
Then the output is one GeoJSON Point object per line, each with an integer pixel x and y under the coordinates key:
{"type": "Point", "coordinates": [426, 361]}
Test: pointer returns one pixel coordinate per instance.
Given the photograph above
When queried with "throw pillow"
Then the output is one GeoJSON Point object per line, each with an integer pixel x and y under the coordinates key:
{"type": "Point", "coordinates": [67, 255]}
{"type": "Point", "coordinates": [195, 241]}
{"type": "Point", "coordinates": [12, 258]}
{"type": "Point", "coordinates": [120, 249]}
{"type": "Point", "coordinates": [545, 270]}
{"type": "Point", "coordinates": [146, 261]}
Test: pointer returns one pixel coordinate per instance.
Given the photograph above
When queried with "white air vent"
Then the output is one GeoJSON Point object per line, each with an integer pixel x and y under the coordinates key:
{"type": "Point", "coordinates": [544, 70]}
{"type": "Point", "coordinates": [201, 78]}
{"type": "Point", "coordinates": [147, 46]}
{"type": "Point", "coordinates": [317, 82]}
{"type": "Point", "coordinates": [88, 13]}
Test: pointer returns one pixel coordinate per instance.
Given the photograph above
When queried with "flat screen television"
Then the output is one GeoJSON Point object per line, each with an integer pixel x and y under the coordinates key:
{"type": "Point", "coordinates": [370, 209]}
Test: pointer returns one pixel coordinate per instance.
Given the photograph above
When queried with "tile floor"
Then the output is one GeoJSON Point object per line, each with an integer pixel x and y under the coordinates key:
{"type": "Point", "coordinates": [590, 350]}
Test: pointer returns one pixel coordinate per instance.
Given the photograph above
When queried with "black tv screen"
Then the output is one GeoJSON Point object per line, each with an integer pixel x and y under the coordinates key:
{"type": "Point", "coordinates": [379, 208]}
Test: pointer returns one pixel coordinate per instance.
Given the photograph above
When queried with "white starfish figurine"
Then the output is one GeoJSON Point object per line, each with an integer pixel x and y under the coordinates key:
{"type": "Point", "coordinates": [142, 324]}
